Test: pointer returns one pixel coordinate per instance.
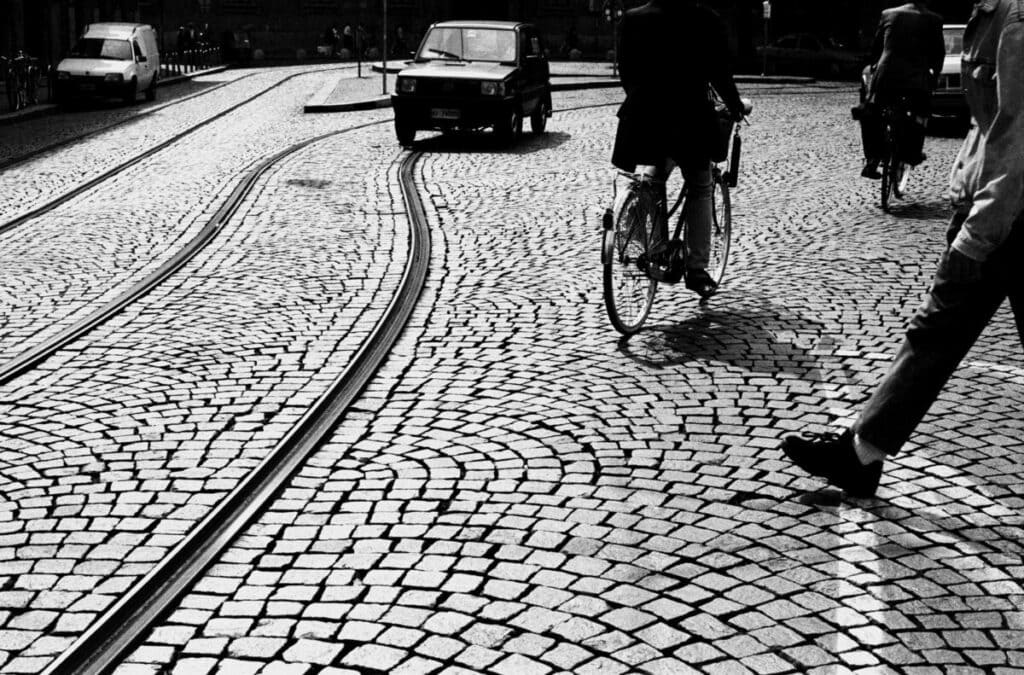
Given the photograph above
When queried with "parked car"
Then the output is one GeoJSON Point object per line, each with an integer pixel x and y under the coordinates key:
{"type": "Point", "coordinates": [111, 60]}
{"type": "Point", "coordinates": [806, 54]}
{"type": "Point", "coordinates": [473, 75]}
{"type": "Point", "coordinates": [948, 100]}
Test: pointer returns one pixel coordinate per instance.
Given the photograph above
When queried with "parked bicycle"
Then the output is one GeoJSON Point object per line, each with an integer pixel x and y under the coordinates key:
{"type": "Point", "coordinates": [637, 253]}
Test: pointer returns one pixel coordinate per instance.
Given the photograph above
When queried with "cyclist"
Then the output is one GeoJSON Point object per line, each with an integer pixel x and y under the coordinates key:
{"type": "Point", "coordinates": [669, 120]}
{"type": "Point", "coordinates": [908, 52]}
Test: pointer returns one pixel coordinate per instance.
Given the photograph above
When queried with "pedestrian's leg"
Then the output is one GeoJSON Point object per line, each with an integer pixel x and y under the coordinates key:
{"type": "Point", "coordinates": [940, 335]}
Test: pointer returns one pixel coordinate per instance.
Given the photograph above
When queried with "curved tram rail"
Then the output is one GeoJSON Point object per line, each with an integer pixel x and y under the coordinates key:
{"type": "Point", "coordinates": [107, 175]}
{"type": "Point", "coordinates": [100, 648]}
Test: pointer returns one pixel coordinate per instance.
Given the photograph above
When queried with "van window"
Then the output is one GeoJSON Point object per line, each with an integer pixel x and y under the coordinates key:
{"type": "Point", "coordinates": [100, 48]}
{"type": "Point", "coordinates": [138, 50]}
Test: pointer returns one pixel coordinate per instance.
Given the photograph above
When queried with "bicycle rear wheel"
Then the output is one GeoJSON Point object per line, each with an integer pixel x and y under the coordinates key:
{"type": "Point", "coordinates": [628, 291]}
{"type": "Point", "coordinates": [721, 228]}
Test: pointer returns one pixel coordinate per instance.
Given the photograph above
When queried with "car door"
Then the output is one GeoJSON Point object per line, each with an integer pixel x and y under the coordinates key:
{"type": "Point", "coordinates": [535, 68]}
{"type": "Point", "coordinates": [142, 65]}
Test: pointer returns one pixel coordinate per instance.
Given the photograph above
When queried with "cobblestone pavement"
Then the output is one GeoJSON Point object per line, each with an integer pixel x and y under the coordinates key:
{"type": "Point", "coordinates": [110, 451]}
{"type": "Point", "coordinates": [58, 268]}
{"type": "Point", "coordinates": [520, 491]}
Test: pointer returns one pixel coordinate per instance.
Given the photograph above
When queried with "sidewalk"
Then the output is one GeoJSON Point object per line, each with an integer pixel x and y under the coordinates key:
{"type": "Point", "coordinates": [41, 109]}
{"type": "Point", "coordinates": [366, 93]}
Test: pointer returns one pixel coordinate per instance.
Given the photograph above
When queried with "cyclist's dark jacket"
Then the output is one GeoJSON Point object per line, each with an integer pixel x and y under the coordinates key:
{"type": "Point", "coordinates": [670, 51]}
{"type": "Point", "coordinates": [908, 43]}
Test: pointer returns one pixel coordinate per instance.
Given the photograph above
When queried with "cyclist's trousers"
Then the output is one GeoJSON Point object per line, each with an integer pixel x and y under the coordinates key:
{"type": "Point", "coordinates": [911, 134]}
{"type": "Point", "coordinates": [696, 209]}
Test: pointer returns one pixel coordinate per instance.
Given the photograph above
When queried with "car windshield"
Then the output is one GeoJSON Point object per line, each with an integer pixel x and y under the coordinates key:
{"type": "Point", "coordinates": [469, 44]}
{"type": "Point", "coordinates": [954, 40]}
{"type": "Point", "coordinates": [100, 48]}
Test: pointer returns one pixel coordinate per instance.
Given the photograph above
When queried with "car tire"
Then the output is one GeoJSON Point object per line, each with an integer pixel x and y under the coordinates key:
{"type": "Point", "coordinates": [405, 132]}
{"type": "Point", "coordinates": [131, 93]}
{"type": "Point", "coordinates": [151, 90]}
{"type": "Point", "coordinates": [509, 127]}
{"type": "Point", "coordinates": [539, 118]}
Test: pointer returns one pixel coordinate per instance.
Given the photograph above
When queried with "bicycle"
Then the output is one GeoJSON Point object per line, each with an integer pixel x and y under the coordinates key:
{"type": "Point", "coordinates": [637, 255]}
{"type": "Point", "coordinates": [897, 119]}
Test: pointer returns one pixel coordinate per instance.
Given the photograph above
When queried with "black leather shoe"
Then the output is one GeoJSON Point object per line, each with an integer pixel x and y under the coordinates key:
{"type": "Point", "coordinates": [870, 170]}
{"type": "Point", "coordinates": [832, 457]}
{"type": "Point", "coordinates": [701, 282]}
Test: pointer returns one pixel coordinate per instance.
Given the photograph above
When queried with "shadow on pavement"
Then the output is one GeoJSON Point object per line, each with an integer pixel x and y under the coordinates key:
{"type": "Point", "coordinates": [932, 210]}
{"type": "Point", "coordinates": [485, 141]}
{"type": "Point", "coordinates": [745, 337]}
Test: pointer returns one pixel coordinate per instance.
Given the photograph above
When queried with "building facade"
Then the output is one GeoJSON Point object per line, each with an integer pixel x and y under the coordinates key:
{"type": "Point", "coordinates": [289, 29]}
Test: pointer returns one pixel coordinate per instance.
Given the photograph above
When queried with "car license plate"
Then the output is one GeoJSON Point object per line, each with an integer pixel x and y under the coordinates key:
{"type": "Point", "coordinates": [444, 114]}
{"type": "Point", "coordinates": [87, 87]}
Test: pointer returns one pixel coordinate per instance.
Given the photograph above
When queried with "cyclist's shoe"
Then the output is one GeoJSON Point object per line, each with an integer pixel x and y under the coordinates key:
{"type": "Point", "coordinates": [701, 282]}
{"type": "Point", "coordinates": [832, 457]}
{"type": "Point", "coordinates": [870, 170]}
{"type": "Point", "coordinates": [914, 161]}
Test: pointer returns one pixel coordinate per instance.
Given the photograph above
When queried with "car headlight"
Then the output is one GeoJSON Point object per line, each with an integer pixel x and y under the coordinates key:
{"type": "Point", "coordinates": [407, 85]}
{"type": "Point", "coordinates": [63, 75]}
{"type": "Point", "coordinates": [492, 88]}
{"type": "Point", "coordinates": [113, 77]}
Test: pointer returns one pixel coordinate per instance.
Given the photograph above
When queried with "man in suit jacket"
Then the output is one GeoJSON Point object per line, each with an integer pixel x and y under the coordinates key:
{"type": "Point", "coordinates": [908, 52]}
{"type": "Point", "coordinates": [671, 117]}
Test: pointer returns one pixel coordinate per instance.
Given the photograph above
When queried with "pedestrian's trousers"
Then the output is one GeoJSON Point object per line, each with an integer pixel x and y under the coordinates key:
{"type": "Point", "coordinates": [941, 333]}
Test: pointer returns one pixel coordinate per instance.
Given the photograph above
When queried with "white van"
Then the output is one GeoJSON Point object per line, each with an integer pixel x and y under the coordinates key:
{"type": "Point", "coordinates": [111, 59]}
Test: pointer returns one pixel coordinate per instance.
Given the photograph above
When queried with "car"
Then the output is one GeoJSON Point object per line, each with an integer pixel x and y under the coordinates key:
{"type": "Point", "coordinates": [469, 75]}
{"type": "Point", "coordinates": [112, 60]}
{"type": "Point", "coordinates": [948, 100]}
{"type": "Point", "coordinates": [807, 54]}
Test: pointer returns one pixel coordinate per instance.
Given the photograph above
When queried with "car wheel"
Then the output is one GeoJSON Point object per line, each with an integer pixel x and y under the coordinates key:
{"type": "Point", "coordinates": [406, 132]}
{"type": "Point", "coordinates": [510, 126]}
{"type": "Point", "coordinates": [131, 92]}
{"type": "Point", "coordinates": [151, 90]}
{"type": "Point", "coordinates": [539, 118]}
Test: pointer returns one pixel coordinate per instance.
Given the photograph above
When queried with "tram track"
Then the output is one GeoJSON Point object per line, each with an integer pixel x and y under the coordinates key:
{"type": "Point", "coordinates": [115, 632]}
{"type": "Point", "coordinates": [148, 153]}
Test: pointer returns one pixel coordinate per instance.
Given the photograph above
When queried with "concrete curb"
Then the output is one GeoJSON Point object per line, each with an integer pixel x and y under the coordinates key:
{"type": "Point", "coordinates": [50, 108]}
{"type": "Point", "coordinates": [318, 104]}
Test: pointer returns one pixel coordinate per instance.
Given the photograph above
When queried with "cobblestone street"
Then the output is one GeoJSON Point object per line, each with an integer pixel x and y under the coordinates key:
{"type": "Point", "coordinates": [519, 490]}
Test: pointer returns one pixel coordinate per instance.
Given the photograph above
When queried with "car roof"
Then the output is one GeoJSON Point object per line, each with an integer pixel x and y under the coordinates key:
{"type": "Point", "coordinates": [116, 30]}
{"type": "Point", "coordinates": [479, 24]}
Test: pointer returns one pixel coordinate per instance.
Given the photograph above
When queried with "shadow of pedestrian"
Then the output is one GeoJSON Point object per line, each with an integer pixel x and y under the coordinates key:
{"type": "Point", "coordinates": [762, 338]}
{"type": "Point", "coordinates": [911, 210]}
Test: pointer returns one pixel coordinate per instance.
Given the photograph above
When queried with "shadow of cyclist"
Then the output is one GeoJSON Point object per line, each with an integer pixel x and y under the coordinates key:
{"type": "Point", "coordinates": [465, 142]}
{"type": "Point", "coordinates": [759, 337]}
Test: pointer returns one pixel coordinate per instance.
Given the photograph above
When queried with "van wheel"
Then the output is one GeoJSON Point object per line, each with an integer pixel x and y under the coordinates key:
{"type": "Point", "coordinates": [131, 92]}
{"type": "Point", "coordinates": [151, 90]}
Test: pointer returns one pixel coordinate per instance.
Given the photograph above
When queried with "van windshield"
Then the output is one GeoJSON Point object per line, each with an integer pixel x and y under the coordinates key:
{"type": "Point", "coordinates": [100, 48]}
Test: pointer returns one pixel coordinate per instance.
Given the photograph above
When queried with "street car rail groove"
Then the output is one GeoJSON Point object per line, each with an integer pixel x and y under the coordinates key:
{"type": "Point", "coordinates": [107, 175]}
{"type": "Point", "coordinates": [32, 357]}
{"type": "Point", "coordinates": [100, 648]}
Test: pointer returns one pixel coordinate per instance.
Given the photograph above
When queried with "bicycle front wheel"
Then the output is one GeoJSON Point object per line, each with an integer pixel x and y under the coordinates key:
{"type": "Point", "coordinates": [628, 291]}
{"type": "Point", "coordinates": [721, 228]}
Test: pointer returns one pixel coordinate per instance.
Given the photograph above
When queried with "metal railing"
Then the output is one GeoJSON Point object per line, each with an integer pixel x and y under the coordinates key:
{"type": "Point", "coordinates": [185, 61]}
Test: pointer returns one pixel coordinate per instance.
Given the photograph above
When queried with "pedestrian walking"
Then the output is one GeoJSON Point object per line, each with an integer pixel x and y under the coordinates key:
{"type": "Point", "coordinates": [980, 268]}
{"type": "Point", "coordinates": [907, 54]}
